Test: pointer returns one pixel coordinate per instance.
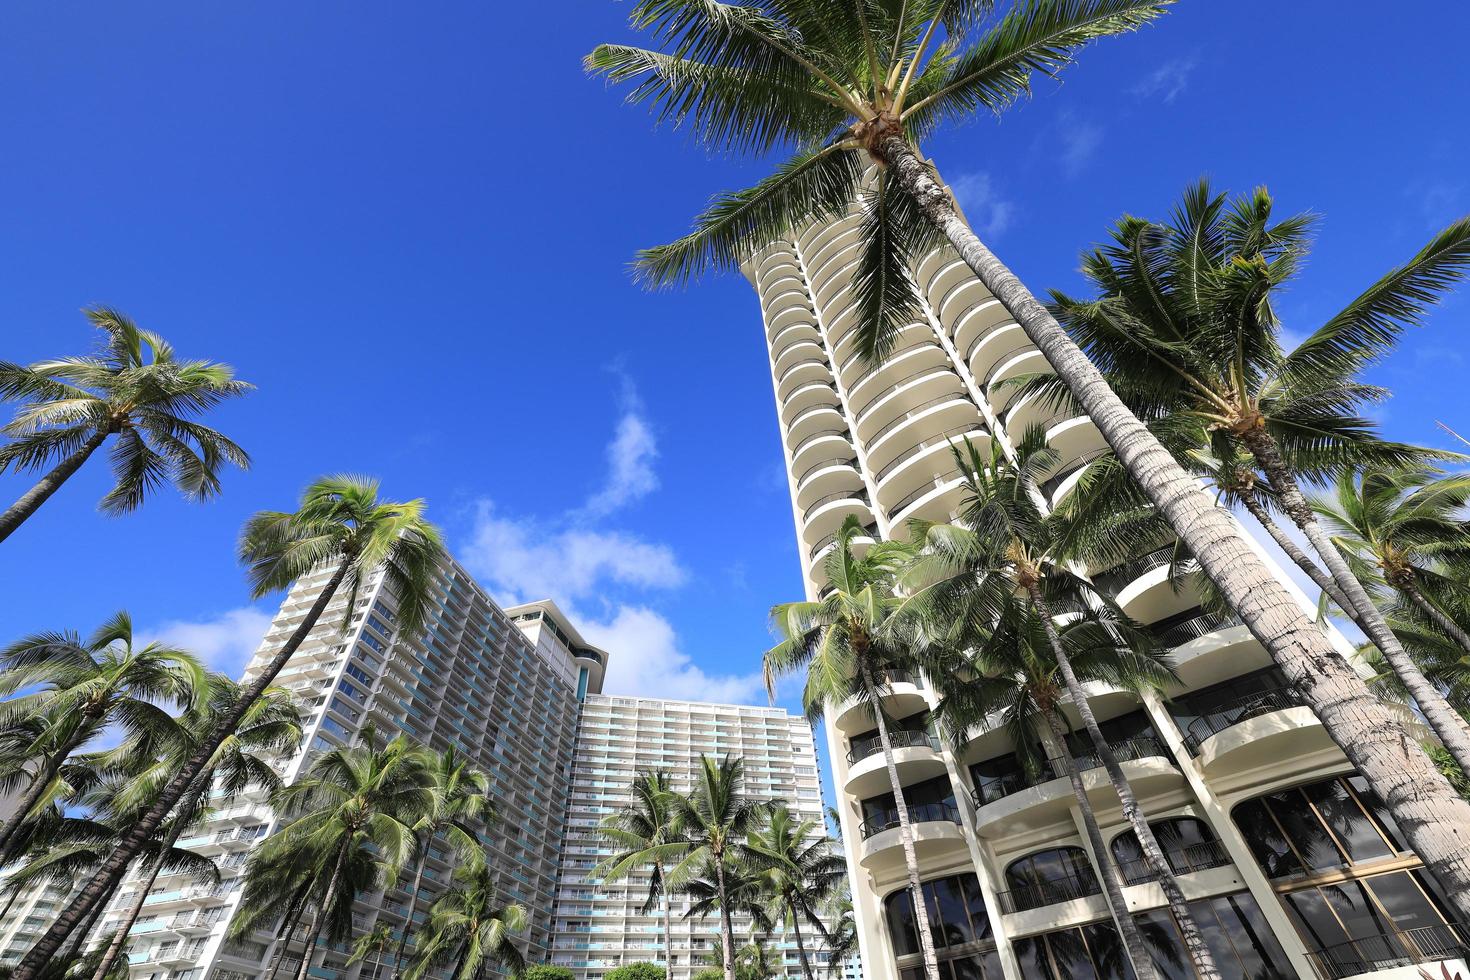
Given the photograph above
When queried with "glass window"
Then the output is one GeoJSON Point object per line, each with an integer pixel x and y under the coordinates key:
{"type": "Point", "coordinates": [957, 920]}
{"type": "Point", "coordinates": [1056, 875]}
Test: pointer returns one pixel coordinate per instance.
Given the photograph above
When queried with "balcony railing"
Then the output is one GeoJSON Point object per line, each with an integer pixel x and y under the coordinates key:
{"type": "Point", "coordinates": [1001, 362]}
{"type": "Point", "coordinates": [943, 812]}
{"type": "Point", "coordinates": [911, 497]}
{"type": "Point", "coordinates": [858, 495]}
{"type": "Point", "coordinates": [847, 362]}
{"type": "Point", "coordinates": [1124, 750]}
{"type": "Point", "coordinates": [1049, 892]}
{"type": "Point", "coordinates": [844, 460]}
{"type": "Point", "coordinates": [811, 410]}
{"type": "Point", "coordinates": [1052, 484]}
{"type": "Point", "coordinates": [820, 434]}
{"type": "Point", "coordinates": [870, 530]}
{"type": "Point", "coordinates": [1181, 632]}
{"type": "Point", "coordinates": [1110, 581]}
{"type": "Point", "coordinates": [951, 396]}
{"type": "Point", "coordinates": [1386, 951]}
{"type": "Point", "coordinates": [1182, 861]}
{"type": "Point", "coordinates": [901, 739]}
{"type": "Point", "coordinates": [944, 437]}
{"type": "Point", "coordinates": [1234, 712]}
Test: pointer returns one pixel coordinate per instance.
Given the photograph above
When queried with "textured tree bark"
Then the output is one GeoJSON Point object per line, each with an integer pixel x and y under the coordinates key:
{"type": "Point", "coordinates": [1448, 726]}
{"type": "Point", "coordinates": [1433, 817]}
{"type": "Point", "coordinates": [1302, 560]}
{"type": "Point", "coordinates": [806, 966]}
{"type": "Point", "coordinates": [413, 905]}
{"type": "Point", "coordinates": [905, 835]}
{"type": "Point", "coordinates": [668, 930]}
{"type": "Point", "coordinates": [319, 920]}
{"type": "Point", "coordinates": [727, 928]}
{"type": "Point", "coordinates": [111, 870]}
{"type": "Point", "coordinates": [115, 948]}
{"type": "Point", "coordinates": [31, 501]}
{"type": "Point", "coordinates": [1194, 942]}
{"type": "Point", "coordinates": [1410, 588]}
{"type": "Point", "coordinates": [1107, 872]}
{"type": "Point", "coordinates": [283, 946]}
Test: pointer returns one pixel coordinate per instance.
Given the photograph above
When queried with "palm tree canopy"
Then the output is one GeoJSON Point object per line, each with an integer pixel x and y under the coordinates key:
{"type": "Point", "coordinates": [341, 520]}
{"type": "Point", "coordinates": [825, 83]}
{"type": "Point", "coordinates": [134, 387]}
{"type": "Point", "coordinates": [468, 929]}
{"type": "Point", "coordinates": [1398, 522]}
{"type": "Point", "coordinates": [1186, 329]}
{"type": "Point", "coordinates": [643, 834]}
{"type": "Point", "coordinates": [714, 819]}
{"type": "Point", "coordinates": [795, 863]}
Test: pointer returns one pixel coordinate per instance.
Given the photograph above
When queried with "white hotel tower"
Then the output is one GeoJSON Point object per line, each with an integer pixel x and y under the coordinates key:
{"type": "Point", "coordinates": [1293, 868]}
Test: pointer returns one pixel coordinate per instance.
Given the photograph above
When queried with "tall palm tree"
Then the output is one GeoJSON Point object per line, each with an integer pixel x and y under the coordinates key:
{"type": "Point", "coordinates": [269, 730]}
{"type": "Point", "coordinates": [468, 930]}
{"type": "Point", "coordinates": [375, 942]}
{"type": "Point", "coordinates": [1402, 525]}
{"type": "Point", "coordinates": [799, 870]}
{"type": "Point", "coordinates": [75, 687]}
{"type": "Point", "coordinates": [1185, 329]}
{"type": "Point", "coordinates": [342, 525]}
{"type": "Point", "coordinates": [134, 388]}
{"type": "Point", "coordinates": [353, 816]}
{"type": "Point", "coordinates": [1010, 672]}
{"type": "Point", "coordinates": [714, 819]}
{"type": "Point", "coordinates": [644, 834]}
{"type": "Point", "coordinates": [1007, 549]}
{"type": "Point", "coordinates": [746, 893]}
{"type": "Point", "coordinates": [842, 938]}
{"type": "Point", "coordinates": [845, 643]}
{"type": "Point", "coordinates": [461, 797]}
{"type": "Point", "coordinates": [849, 84]}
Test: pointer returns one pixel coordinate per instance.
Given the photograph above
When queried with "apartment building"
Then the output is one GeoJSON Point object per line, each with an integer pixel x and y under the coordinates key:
{"type": "Point", "coordinates": [599, 925]}
{"type": "Point", "coordinates": [500, 685]}
{"type": "Point", "coordinates": [1292, 865]}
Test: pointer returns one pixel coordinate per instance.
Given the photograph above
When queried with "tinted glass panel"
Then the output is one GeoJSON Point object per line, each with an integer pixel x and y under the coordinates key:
{"type": "Point", "coordinates": [1400, 895]}
{"type": "Point", "coordinates": [1165, 948]}
{"type": "Point", "coordinates": [1267, 842]}
{"type": "Point", "coordinates": [954, 914]}
{"type": "Point", "coordinates": [1108, 961]}
{"type": "Point", "coordinates": [1347, 821]}
{"type": "Point", "coordinates": [900, 913]}
{"type": "Point", "coordinates": [1032, 959]}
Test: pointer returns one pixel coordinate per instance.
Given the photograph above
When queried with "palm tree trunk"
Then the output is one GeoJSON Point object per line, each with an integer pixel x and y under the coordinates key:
{"type": "Point", "coordinates": [1435, 819]}
{"type": "Point", "coordinates": [111, 870]}
{"type": "Point", "coordinates": [1107, 872]}
{"type": "Point", "coordinates": [1313, 571]}
{"type": "Point", "coordinates": [1447, 724]}
{"type": "Point", "coordinates": [1194, 941]}
{"type": "Point", "coordinates": [32, 499]}
{"type": "Point", "coordinates": [9, 839]}
{"type": "Point", "coordinates": [283, 946]}
{"type": "Point", "coordinates": [668, 928]}
{"type": "Point", "coordinates": [806, 967]}
{"type": "Point", "coordinates": [1410, 588]}
{"type": "Point", "coordinates": [115, 948]}
{"type": "Point", "coordinates": [413, 905]}
{"type": "Point", "coordinates": [79, 942]}
{"type": "Point", "coordinates": [905, 833]}
{"type": "Point", "coordinates": [319, 920]}
{"type": "Point", "coordinates": [727, 928]}
{"type": "Point", "coordinates": [10, 902]}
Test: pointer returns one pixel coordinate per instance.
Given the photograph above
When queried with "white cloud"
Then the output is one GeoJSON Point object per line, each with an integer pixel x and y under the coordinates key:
{"type": "Point", "coordinates": [1167, 81]}
{"type": "Point", "coordinates": [224, 642]}
{"type": "Point", "coordinates": [989, 214]}
{"type": "Point", "coordinates": [521, 560]}
{"type": "Point", "coordinates": [630, 458]}
{"type": "Point", "coordinates": [644, 660]}
{"type": "Point", "coordinates": [1080, 140]}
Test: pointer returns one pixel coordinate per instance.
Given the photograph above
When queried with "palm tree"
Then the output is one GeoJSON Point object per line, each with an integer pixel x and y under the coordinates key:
{"type": "Point", "coordinates": [374, 943]}
{"type": "Point", "coordinates": [842, 938]}
{"type": "Point", "coordinates": [1185, 329]}
{"type": "Point", "coordinates": [799, 870]}
{"type": "Point", "coordinates": [1008, 549]}
{"type": "Point", "coordinates": [847, 85]}
{"type": "Point", "coordinates": [134, 388]}
{"type": "Point", "coordinates": [269, 730]}
{"type": "Point", "coordinates": [353, 818]}
{"type": "Point", "coordinates": [644, 834]}
{"type": "Point", "coordinates": [845, 642]}
{"type": "Point", "coordinates": [746, 893]}
{"type": "Point", "coordinates": [461, 796]}
{"type": "Point", "coordinates": [1402, 525]}
{"type": "Point", "coordinates": [340, 524]}
{"type": "Point", "coordinates": [714, 820]}
{"type": "Point", "coordinates": [1015, 675]}
{"type": "Point", "coordinates": [468, 930]}
{"type": "Point", "coordinates": [75, 688]}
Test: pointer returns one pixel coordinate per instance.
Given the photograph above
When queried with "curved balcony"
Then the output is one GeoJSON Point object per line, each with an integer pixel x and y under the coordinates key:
{"type": "Point", "coordinates": [835, 253]}
{"type": "Point", "coordinates": [1050, 891]}
{"type": "Point", "coordinates": [937, 414]}
{"type": "Point", "coordinates": [777, 255]}
{"type": "Point", "coordinates": [826, 478]}
{"type": "Point", "coordinates": [1179, 630]}
{"type": "Point", "coordinates": [814, 421]}
{"type": "Point", "coordinates": [801, 373]}
{"type": "Point", "coordinates": [1216, 656]}
{"type": "Point", "coordinates": [977, 325]}
{"type": "Point", "coordinates": [916, 755]}
{"type": "Point", "coordinates": [805, 396]}
{"type": "Point", "coordinates": [938, 448]}
{"type": "Point", "coordinates": [1255, 730]}
{"type": "Point", "coordinates": [788, 295]}
{"type": "Point", "coordinates": [1056, 487]}
{"type": "Point", "coordinates": [1156, 597]}
{"type": "Point", "coordinates": [1038, 410]}
{"type": "Point", "coordinates": [792, 335]}
{"type": "Point", "coordinates": [902, 696]}
{"type": "Point", "coordinates": [831, 441]}
{"type": "Point", "coordinates": [788, 317]}
{"type": "Point", "coordinates": [1019, 363]}
{"type": "Point", "coordinates": [941, 274]}
{"type": "Point", "coordinates": [856, 371]}
{"type": "Point", "coordinates": [798, 352]}
{"type": "Point", "coordinates": [934, 501]}
{"type": "Point", "coordinates": [901, 365]}
{"type": "Point", "coordinates": [958, 298]}
{"type": "Point", "coordinates": [826, 514]}
{"type": "Point", "coordinates": [818, 551]}
{"type": "Point", "coordinates": [1031, 801]}
{"type": "Point", "coordinates": [1407, 954]}
{"type": "Point", "coordinates": [839, 278]}
{"type": "Point", "coordinates": [811, 472]}
{"type": "Point", "coordinates": [936, 831]}
{"type": "Point", "coordinates": [921, 387]}
{"type": "Point", "coordinates": [818, 234]}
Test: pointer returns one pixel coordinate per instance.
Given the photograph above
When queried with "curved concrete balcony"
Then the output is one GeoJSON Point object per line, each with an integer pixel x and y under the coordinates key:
{"type": "Point", "coordinates": [835, 253]}
{"type": "Point", "coordinates": [1026, 360]}
{"type": "Point", "coordinates": [959, 298]}
{"type": "Point", "coordinates": [1253, 731]}
{"type": "Point", "coordinates": [1068, 474]}
{"type": "Point", "coordinates": [801, 373]}
{"type": "Point", "coordinates": [818, 552]}
{"type": "Point", "coordinates": [1153, 597]}
{"type": "Point", "coordinates": [813, 421]}
{"type": "Point", "coordinates": [907, 362]}
{"type": "Point", "coordinates": [1033, 802]}
{"type": "Point", "coordinates": [928, 459]}
{"type": "Point", "coordinates": [1220, 654]}
{"type": "Point", "coordinates": [853, 368]}
{"type": "Point", "coordinates": [905, 395]}
{"type": "Point", "coordinates": [825, 443]}
{"type": "Point", "coordinates": [946, 274]}
{"type": "Point", "coordinates": [936, 833]}
{"type": "Point", "coordinates": [798, 351]}
{"type": "Point", "coordinates": [820, 233]}
{"type": "Point", "coordinates": [824, 477]}
{"type": "Point", "coordinates": [902, 696]}
{"type": "Point", "coordinates": [791, 294]}
{"type": "Point", "coordinates": [939, 414]}
{"type": "Point", "coordinates": [797, 333]}
{"type": "Point", "coordinates": [838, 280]}
{"type": "Point", "coordinates": [806, 396]}
{"type": "Point", "coordinates": [789, 316]}
{"type": "Point", "coordinates": [936, 501]}
{"type": "Point", "coordinates": [1434, 951]}
{"type": "Point", "coordinates": [977, 324]}
{"type": "Point", "coordinates": [916, 756]}
{"type": "Point", "coordinates": [775, 257]}
{"type": "Point", "coordinates": [826, 514]}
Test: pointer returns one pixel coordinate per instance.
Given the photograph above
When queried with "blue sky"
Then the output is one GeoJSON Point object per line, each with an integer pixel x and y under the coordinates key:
{"type": "Point", "coordinates": [409, 225]}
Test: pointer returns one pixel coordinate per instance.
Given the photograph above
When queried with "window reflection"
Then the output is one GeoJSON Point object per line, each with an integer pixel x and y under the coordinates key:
{"type": "Point", "coordinates": [958, 923]}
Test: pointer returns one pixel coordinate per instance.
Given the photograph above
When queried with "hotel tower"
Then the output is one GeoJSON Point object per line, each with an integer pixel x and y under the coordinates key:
{"type": "Point", "coordinates": [1291, 864]}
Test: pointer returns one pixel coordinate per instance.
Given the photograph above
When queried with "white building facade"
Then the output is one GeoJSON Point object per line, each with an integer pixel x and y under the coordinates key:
{"type": "Point", "coordinates": [599, 925]}
{"type": "Point", "coordinates": [1292, 865]}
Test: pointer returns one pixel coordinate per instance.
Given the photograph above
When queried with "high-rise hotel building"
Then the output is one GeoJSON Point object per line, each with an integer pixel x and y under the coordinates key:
{"type": "Point", "coordinates": [599, 925]}
{"type": "Point", "coordinates": [1292, 865]}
